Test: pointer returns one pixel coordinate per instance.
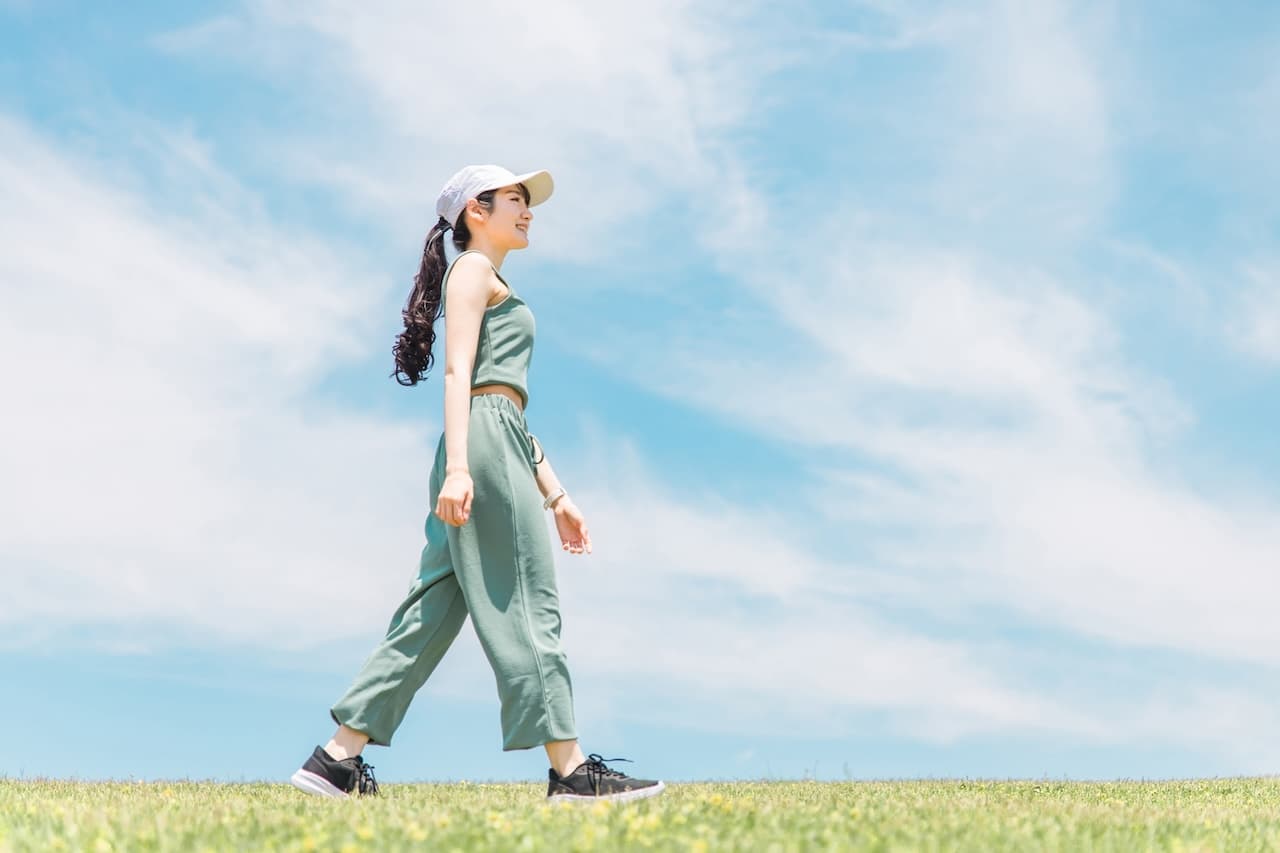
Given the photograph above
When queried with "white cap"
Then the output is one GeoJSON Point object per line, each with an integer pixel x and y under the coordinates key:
{"type": "Point", "coordinates": [470, 181]}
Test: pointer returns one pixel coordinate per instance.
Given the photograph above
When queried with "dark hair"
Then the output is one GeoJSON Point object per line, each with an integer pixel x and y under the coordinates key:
{"type": "Point", "coordinates": [413, 346]}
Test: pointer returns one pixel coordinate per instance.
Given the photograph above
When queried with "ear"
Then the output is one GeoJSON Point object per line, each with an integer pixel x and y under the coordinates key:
{"type": "Point", "coordinates": [474, 210]}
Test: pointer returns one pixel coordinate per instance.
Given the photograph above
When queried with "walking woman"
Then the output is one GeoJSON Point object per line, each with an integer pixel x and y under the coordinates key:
{"type": "Point", "coordinates": [488, 552]}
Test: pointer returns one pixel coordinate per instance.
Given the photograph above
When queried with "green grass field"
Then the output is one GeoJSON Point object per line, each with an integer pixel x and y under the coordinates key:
{"type": "Point", "coordinates": [1225, 814]}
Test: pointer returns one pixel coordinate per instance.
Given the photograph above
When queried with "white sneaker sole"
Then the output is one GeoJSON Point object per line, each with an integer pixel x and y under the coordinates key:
{"type": "Point", "coordinates": [620, 797]}
{"type": "Point", "coordinates": [313, 784]}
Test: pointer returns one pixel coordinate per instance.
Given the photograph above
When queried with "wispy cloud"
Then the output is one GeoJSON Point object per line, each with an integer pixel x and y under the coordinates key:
{"type": "Point", "coordinates": [162, 458]}
{"type": "Point", "coordinates": [622, 105]}
{"type": "Point", "coordinates": [210, 501]}
{"type": "Point", "coordinates": [1254, 325]}
{"type": "Point", "coordinates": [739, 614]}
{"type": "Point", "coordinates": [990, 414]}
{"type": "Point", "coordinates": [975, 422]}
{"type": "Point", "coordinates": [980, 457]}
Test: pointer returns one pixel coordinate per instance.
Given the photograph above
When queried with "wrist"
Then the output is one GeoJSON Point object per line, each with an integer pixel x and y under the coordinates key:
{"type": "Point", "coordinates": [456, 469]}
{"type": "Point", "coordinates": [555, 499]}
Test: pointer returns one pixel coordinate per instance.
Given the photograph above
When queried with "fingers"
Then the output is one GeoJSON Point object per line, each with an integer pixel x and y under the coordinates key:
{"type": "Point", "coordinates": [453, 504]}
{"type": "Point", "coordinates": [455, 512]}
{"type": "Point", "coordinates": [578, 544]}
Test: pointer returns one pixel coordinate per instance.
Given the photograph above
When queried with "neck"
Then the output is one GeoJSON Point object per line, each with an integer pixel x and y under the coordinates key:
{"type": "Point", "coordinates": [495, 254]}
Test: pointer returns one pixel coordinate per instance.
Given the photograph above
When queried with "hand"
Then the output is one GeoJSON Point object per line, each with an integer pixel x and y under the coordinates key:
{"type": "Point", "coordinates": [571, 526]}
{"type": "Point", "coordinates": [454, 504]}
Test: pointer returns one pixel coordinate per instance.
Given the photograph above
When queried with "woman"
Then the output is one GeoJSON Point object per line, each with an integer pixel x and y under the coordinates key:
{"type": "Point", "coordinates": [488, 553]}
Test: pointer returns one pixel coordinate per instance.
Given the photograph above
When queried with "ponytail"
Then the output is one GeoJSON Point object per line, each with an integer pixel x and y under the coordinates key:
{"type": "Point", "coordinates": [413, 346]}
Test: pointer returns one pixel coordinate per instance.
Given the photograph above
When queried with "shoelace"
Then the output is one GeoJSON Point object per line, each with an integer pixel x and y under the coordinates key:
{"type": "Point", "coordinates": [364, 780]}
{"type": "Point", "coordinates": [596, 769]}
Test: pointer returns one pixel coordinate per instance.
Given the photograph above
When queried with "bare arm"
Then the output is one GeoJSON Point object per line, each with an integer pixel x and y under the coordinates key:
{"type": "Point", "coordinates": [469, 291]}
{"type": "Point", "coordinates": [572, 527]}
{"type": "Point", "coordinates": [548, 482]}
{"type": "Point", "coordinates": [470, 288]}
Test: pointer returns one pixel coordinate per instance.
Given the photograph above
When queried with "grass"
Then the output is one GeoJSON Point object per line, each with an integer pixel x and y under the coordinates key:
{"type": "Point", "coordinates": [1221, 814]}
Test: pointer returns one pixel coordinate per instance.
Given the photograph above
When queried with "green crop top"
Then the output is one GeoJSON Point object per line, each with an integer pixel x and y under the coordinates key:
{"type": "Point", "coordinates": [505, 345]}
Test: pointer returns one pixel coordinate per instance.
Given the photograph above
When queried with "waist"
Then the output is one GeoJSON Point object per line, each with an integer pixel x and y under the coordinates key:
{"type": "Point", "coordinates": [502, 390]}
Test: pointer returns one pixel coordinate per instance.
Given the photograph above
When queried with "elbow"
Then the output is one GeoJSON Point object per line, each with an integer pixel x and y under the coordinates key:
{"type": "Point", "coordinates": [457, 372]}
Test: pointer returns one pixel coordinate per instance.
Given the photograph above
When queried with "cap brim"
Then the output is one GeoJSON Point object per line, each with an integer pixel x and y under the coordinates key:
{"type": "Point", "coordinates": [539, 184]}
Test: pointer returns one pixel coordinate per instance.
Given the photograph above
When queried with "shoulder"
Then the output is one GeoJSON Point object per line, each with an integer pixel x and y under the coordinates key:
{"type": "Point", "coordinates": [468, 264]}
{"type": "Point", "coordinates": [471, 277]}
{"type": "Point", "coordinates": [472, 265]}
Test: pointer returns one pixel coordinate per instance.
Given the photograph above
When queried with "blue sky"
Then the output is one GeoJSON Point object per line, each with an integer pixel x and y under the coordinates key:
{"type": "Point", "coordinates": [914, 365]}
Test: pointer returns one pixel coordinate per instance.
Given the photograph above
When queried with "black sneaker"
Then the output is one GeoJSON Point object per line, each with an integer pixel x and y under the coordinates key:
{"type": "Point", "coordinates": [328, 777]}
{"type": "Point", "coordinates": [593, 781]}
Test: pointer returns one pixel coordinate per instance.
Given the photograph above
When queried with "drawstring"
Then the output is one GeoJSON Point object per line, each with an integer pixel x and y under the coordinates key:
{"type": "Point", "coordinates": [536, 454]}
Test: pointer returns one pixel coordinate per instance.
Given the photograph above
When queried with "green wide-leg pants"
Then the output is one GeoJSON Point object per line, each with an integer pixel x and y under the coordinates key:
{"type": "Point", "coordinates": [498, 567]}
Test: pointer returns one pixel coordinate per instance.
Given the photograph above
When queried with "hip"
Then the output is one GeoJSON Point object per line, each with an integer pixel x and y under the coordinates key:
{"type": "Point", "coordinates": [496, 433]}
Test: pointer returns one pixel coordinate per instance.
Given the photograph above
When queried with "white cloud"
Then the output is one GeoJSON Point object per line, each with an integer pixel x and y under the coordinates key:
{"type": "Point", "coordinates": [998, 425]}
{"type": "Point", "coordinates": [1254, 324]}
{"type": "Point", "coordinates": [976, 430]}
{"type": "Point", "coordinates": [1027, 120]}
{"type": "Point", "coordinates": [704, 603]}
{"type": "Point", "coordinates": [1002, 124]}
{"type": "Point", "coordinates": [172, 483]}
{"type": "Point", "coordinates": [621, 103]}
{"type": "Point", "coordinates": [168, 472]}
{"type": "Point", "coordinates": [981, 413]}
{"type": "Point", "coordinates": [162, 461]}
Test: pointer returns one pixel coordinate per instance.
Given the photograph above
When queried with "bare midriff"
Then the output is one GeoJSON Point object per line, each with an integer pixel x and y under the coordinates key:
{"type": "Point", "coordinates": [505, 390]}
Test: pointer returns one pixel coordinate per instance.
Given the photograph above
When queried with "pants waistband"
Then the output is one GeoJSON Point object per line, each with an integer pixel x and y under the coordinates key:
{"type": "Point", "coordinates": [498, 401]}
{"type": "Point", "coordinates": [504, 403]}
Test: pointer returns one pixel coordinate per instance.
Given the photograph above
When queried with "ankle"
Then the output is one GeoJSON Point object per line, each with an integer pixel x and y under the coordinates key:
{"type": "Point", "coordinates": [564, 756]}
{"type": "Point", "coordinates": [338, 752]}
{"type": "Point", "coordinates": [565, 771]}
{"type": "Point", "coordinates": [346, 743]}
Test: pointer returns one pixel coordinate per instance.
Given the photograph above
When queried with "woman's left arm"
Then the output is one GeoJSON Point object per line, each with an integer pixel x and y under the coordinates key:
{"type": "Point", "coordinates": [570, 524]}
{"type": "Point", "coordinates": [548, 482]}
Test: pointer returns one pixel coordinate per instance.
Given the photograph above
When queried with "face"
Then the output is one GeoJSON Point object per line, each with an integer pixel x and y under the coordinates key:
{"type": "Point", "coordinates": [507, 224]}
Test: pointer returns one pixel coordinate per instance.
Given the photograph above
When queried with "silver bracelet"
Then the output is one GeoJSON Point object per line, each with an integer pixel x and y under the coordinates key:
{"type": "Point", "coordinates": [553, 497]}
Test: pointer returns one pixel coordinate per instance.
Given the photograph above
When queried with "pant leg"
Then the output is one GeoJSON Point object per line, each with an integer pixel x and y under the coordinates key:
{"type": "Point", "coordinates": [505, 566]}
{"type": "Point", "coordinates": [421, 631]}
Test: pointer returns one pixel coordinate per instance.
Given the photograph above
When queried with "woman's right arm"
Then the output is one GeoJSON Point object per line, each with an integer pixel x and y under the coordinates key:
{"type": "Point", "coordinates": [470, 288]}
